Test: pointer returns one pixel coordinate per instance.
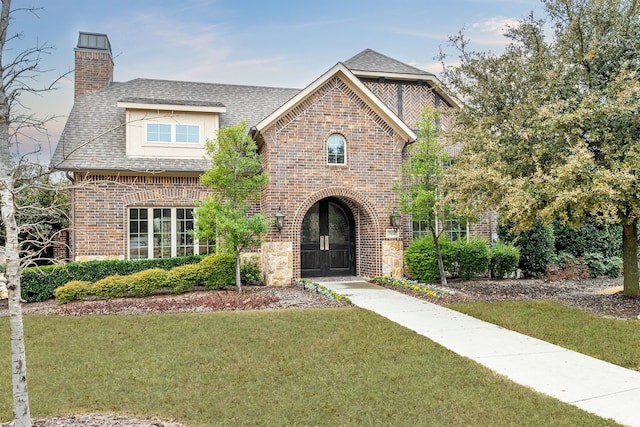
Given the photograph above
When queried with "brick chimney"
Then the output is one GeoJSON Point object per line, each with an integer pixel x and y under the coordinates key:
{"type": "Point", "coordinates": [94, 63]}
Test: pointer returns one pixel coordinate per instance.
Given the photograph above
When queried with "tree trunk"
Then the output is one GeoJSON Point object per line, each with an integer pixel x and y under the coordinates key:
{"type": "Point", "coordinates": [238, 278]}
{"type": "Point", "coordinates": [630, 259]}
{"type": "Point", "coordinates": [436, 243]}
{"type": "Point", "coordinates": [21, 412]}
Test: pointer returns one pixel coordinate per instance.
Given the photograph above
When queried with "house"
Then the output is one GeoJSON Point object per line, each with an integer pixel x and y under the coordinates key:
{"type": "Point", "coordinates": [333, 150]}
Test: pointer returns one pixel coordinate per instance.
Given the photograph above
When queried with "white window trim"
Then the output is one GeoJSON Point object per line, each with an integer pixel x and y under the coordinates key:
{"type": "Point", "coordinates": [327, 150]}
{"type": "Point", "coordinates": [174, 231]}
{"type": "Point", "coordinates": [173, 141]}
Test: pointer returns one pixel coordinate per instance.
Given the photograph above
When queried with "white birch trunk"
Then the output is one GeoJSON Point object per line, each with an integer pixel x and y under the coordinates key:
{"type": "Point", "coordinates": [21, 413]}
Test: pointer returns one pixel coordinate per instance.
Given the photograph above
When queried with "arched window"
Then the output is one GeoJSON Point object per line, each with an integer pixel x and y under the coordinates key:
{"type": "Point", "coordinates": [336, 150]}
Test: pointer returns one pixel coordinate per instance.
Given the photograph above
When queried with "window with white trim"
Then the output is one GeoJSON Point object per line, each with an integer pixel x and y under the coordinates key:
{"type": "Point", "coordinates": [169, 132]}
{"type": "Point", "coordinates": [163, 233]}
{"type": "Point", "coordinates": [336, 150]}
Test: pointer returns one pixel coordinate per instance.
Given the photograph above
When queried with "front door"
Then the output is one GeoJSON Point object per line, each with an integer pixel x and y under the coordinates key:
{"type": "Point", "coordinates": [327, 246]}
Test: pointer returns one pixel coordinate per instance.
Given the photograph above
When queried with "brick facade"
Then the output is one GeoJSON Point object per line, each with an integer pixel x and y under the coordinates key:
{"type": "Point", "coordinates": [93, 69]}
{"type": "Point", "coordinates": [294, 151]}
{"type": "Point", "coordinates": [100, 204]}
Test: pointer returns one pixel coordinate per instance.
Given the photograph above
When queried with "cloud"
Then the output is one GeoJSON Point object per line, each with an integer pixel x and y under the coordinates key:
{"type": "Point", "coordinates": [497, 25]}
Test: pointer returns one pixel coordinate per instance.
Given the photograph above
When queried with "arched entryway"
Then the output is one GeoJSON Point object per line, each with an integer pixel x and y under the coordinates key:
{"type": "Point", "coordinates": [327, 240]}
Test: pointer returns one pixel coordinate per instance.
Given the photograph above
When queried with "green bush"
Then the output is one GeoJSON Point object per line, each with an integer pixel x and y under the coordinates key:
{"type": "Point", "coordinates": [38, 283]}
{"type": "Point", "coordinates": [250, 273]}
{"type": "Point", "coordinates": [537, 247]}
{"type": "Point", "coordinates": [422, 261]}
{"type": "Point", "coordinates": [145, 283]}
{"type": "Point", "coordinates": [504, 259]}
{"type": "Point", "coordinates": [218, 271]}
{"type": "Point", "coordinates": [184, 278]}
{"type": "Point", "coordinates": [111, 287]}
{"type": "Point", "coordinates": [591, 237]}
{"type": "Point", "coordinates": [600, 265]}
{"type": "Point", "coordinates": [74, 290]}
{"type": "Point", "coordinates": [473, 257]}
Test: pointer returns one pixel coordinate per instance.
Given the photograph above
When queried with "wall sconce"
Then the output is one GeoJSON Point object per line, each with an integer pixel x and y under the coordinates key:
{"type": "Point", "coordinates": [279, 220]}
{"type": "Point", "coordinates": [395, 218]}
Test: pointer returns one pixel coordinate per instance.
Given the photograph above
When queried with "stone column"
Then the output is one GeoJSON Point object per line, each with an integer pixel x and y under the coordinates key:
{"type": "Point", "coordinates": [277, 263]}
{"type": "Point", "coordinates": [392, 258]}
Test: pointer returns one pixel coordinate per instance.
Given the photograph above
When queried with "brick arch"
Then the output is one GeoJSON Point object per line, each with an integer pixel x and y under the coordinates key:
{"type": "Point", "coordinates": [166, 196]}
{"type": "Point", "coordinates": [368, 229]}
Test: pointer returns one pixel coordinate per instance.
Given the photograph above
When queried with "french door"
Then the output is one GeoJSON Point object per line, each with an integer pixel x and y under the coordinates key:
{"type": "Point", "coordinates": [327, 244]}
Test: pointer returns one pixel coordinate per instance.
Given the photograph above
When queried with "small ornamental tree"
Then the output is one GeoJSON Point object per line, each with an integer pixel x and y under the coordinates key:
{"type": "Point", "coordinates": [236, 176]}
{"type": "Point", "coordinates": [423, 184]}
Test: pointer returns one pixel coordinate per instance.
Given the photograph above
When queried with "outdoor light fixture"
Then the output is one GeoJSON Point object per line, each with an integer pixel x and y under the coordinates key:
{"type": "Point", "coordinates": [279, 220]}
{"type": "Point", "coordinates": [395, 218]}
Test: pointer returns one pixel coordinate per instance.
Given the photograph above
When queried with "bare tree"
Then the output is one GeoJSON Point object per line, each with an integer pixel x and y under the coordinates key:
{"type": "Point", "coordinates": [18, 77]}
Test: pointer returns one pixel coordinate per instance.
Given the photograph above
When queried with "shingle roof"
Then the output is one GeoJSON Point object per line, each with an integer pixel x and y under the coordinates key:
{"type": "Point", "coordinates": [370, 60]}
{"type": "Point", "coordinates": [94, 136]}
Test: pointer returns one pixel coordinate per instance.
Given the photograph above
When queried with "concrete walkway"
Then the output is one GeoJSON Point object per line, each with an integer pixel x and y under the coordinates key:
{"type": "Point", "coordinates": [590, 384]}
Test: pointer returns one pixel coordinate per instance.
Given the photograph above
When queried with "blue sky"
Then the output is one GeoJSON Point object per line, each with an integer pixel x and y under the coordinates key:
{"type": "Point", "coordinates": [285, 43]}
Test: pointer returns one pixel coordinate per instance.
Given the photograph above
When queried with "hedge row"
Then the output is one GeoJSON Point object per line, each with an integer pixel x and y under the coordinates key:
{"type": "Point", "coordinates": [213, 272]}
{"type": "Point", "coordinates": [461, 258]}
{"type": "Point", "coordinates": [38, 283]}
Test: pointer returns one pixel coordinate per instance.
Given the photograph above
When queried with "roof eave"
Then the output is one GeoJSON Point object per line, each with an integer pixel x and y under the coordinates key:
{"type": "Point", "coordinates": [356, 85]}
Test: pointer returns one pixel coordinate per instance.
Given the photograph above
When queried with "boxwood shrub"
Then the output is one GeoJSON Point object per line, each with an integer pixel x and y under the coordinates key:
{"type": "Point", "coordinates": [422, 261]}
{"type": "Point", "coordinates": [504, 259]}
{"type": "Point", "coordinates": [38, 283]}
{"type": "Point", "coordinates": [218, 271]}
{"type": "Point", "coordinates": [473, 257]}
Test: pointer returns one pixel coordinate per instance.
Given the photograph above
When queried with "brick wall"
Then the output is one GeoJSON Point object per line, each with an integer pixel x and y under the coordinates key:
{"type": "Point", "coordinates": [93, 70]}
{"type": "Point", "coordinates": [100, 202]}
{"type": "Point", "coordinates": [294, 152]}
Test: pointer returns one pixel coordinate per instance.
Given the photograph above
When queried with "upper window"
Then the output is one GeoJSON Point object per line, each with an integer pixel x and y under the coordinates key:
{"type": "Point", "coordinates": [164, 132]}
{"type": "Point", "coordinates": [336, 150]}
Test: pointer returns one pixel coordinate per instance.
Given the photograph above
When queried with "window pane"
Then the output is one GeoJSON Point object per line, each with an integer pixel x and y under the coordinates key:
{"type": "Point", "coordinates": [162, 233]}
{"type": "Point", "coordinates": [138, 236]}
{"type": "Point", "coordinates": [336, 150]}
{"type": "Point", "coordinates": [188, 133]}
{"type": "Point", "coordinates": [184, 232]}
{"type": "Point", "coordinates": [158, 132]}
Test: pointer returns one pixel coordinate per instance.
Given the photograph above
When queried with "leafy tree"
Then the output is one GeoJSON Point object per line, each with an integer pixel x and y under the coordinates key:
{"type": "Point", "coordinates": [424, 172]}
{"type": "Point", "coordinates": [236, 176]}
{"type": "Point", "coordinates": [551, 126]}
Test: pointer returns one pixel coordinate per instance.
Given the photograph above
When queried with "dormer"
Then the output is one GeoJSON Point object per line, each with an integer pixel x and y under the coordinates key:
{"type": "Point", "coordinates": [168, 128]}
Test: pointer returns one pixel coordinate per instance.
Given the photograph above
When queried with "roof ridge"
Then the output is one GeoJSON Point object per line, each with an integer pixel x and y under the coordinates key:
{"type": "Point", "coordinates": [142, 79]}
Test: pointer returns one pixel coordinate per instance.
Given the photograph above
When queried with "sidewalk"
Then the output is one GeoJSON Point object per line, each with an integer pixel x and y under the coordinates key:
{"type": "Point", "coordinates": [595, 386]}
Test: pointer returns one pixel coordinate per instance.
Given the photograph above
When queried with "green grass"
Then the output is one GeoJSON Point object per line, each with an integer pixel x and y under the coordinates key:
{"type": "Point", "coordinates": [291, 367]}
{"type": "Point", "coordinates": [613, 340]}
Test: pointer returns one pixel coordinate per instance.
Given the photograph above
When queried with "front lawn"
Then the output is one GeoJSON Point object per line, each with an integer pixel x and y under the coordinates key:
{"type": "Point", "coordinates": [342, 366]}
{"type": "Point", "coordinates": [613, 340]}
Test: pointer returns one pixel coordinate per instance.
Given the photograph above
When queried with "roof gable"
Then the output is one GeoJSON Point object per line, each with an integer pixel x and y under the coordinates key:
{"type": "Point", "coordinates": [371, 61]}
{"type": "Point", "coordinates": [357, 86]}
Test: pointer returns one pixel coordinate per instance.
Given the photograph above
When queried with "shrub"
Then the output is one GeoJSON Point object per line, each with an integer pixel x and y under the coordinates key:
{"type": "Point", "coordinates": [145, 283]}
{"type": "Point", "coordinates": [591, 237]}
{"type": "Point", "coordinates": [38, 283]}
{"type": "Point", "coordinates": [600, 265]}
{"type": "Point", "coordinates": [504, 259]}
{"type": "Point", "coordinates": [250, 273]}
{"type": "Point", "coordinates": [185, 277]}
{"type": "Point", "coordinates": [111, 287]}
{"type": "Point", "coordinates": [74, 290]}
{"type": "Point", "coordinates": [536, 247]}
{"type": "Point", "coordinates": [422, 261]}
{"type": "Point", "coordinates": [473, 257]}
{"type": "Point", "coordinates": [218, 271]}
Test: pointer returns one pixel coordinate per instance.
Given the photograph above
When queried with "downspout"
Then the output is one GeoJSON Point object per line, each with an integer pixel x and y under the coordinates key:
{"type": "Point", "coordinates": [72, 219]}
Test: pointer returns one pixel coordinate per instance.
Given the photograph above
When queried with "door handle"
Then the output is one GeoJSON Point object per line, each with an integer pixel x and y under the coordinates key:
{"type": "Point", "coordinates": [324, 243]}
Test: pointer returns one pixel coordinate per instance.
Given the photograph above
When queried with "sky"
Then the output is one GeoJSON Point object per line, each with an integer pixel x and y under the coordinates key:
{"type": "Point", "coordinates": [283, 43]}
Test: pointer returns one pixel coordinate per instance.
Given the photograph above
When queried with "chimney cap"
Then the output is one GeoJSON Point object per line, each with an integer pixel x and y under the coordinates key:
{"type": "Point", "coordinates": [94, 41]}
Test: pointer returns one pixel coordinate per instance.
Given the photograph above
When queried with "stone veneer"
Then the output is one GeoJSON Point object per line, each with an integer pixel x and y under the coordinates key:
{"type": "Point", "coordinates": [392, 258]}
